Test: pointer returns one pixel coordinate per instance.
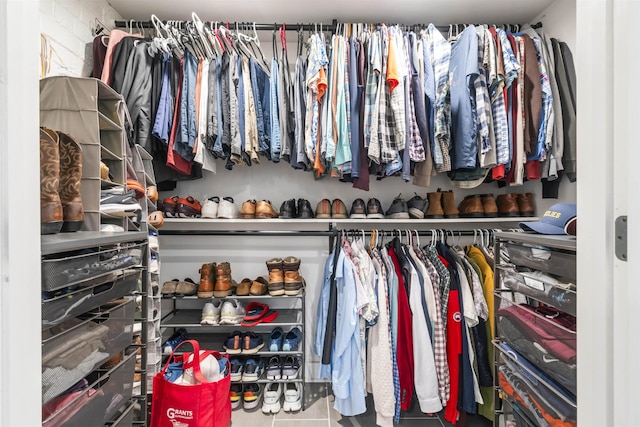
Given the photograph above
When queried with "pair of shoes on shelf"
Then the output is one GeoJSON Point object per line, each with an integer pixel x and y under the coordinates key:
{"type": "Point", "coordinates": [273, 393]}
{"type": "Point", "coordinates": [283, 367]}
{"type": "Point", "coordinates": [246, 370]}
{"type": "Point", "coordinates": [258, 312]}
{"type": "Point", "coordinates": [262, 209]}
{"type": "Point", "coordinates": [514, 204]}
{"type": "Point", "coordinates": [224, 208]}
{"type": "Point", "coordinates": [279, 341]}
{"type": "Point", "coordinates": [326, 209]}
{"type": "Point", "coordinates": [284, 276]}
{"type": "Point", "coordinates": [243, 342]}
{"type": "Point", "coordinates": [371, 210]}
{"type": "Point", "coordinates": [219, 312]}
{"type": "Point", "coordinates": [303, 210]}
{"type": "Point", "coordinates": [247, 395]}
{"type": "Point", "coordinates": [181, 207]}
{"type": "Point", "coordinates": [215, 280]}
{"type": "Point", "coordinates": [176, 338]}
{"type": "Point", "coordinates": [185, 287]}
{"type": "Point", "coordinates": [256, 287]}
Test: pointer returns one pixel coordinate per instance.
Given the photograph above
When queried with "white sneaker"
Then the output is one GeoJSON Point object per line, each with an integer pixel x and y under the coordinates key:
{"type": "Point", "coordinates": [227, 209]}
{"type": "Point", "coordinates": [292, 397]}
{"type": "Point", "coordinates": [271, 398]}
{"type": "Point", "coordinates": [232, 312]}
{"type": "Point", "coordinates": [211, 313]}
{"type": "Point", "coordinates": [210, 207]}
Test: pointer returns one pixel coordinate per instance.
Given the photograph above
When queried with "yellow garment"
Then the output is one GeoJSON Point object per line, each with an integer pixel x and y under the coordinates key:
{"type": "Point", "coordinates": [487, 284]}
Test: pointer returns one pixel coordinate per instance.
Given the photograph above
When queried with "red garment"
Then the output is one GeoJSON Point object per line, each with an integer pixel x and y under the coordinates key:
{"type": "Point", "coordinates": [532, 169]}
{"type": "Point", "coordinates": [454, 354]}
{"type": "Point", "coordinates": [174, 160]}
{"type": "Point", "coordinates": [404, 348]}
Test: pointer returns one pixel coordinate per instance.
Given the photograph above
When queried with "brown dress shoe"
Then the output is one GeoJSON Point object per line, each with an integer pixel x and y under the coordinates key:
{"type": "Point", "coordinates": [207, 279]}
{"type": "Point", "coordinates": [489, 205]}
{"type": "Point", "coordinates": [248, 209]}
{"type": "Point", "coordinates": [264, 210]}
{"type": "Point", "coordinates": [507, 205]}
{"type": "Point", "coordinates": [449, 205]}
{"type": "Point", "coordinates": [471, 207]}
{"type": "Point", "coordinates": [51, 217]}
{"type": "Point", "coordinates": [260, 286]}
{"type": "Point", "coordinates": [525, 204]}
{"type": "Point", "coordinates": [243, 287]}
{"type": "Point", "coordinates": [186, 287]}
{"type": "Point", "coordinates": [435, 206]}
{"type": "Point", "coordinates": [224, 284]}
{"type": "Point", "coordinates": [276, 276]}
{"type": "Point", "coordinates": [70, 176]}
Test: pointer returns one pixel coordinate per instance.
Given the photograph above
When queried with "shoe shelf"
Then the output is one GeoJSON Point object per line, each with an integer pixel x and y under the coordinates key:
{"type": "Point", "coordinates": [184, 318]}
{"type": "Point", "coordinates": [216, 342]}
{"type": "Point", "coordinates": [62, 242]}
{"type": "Point", "coordinates": [173, 225]}
{"type": "Point", "coordinates": [238, 297]}
{"type": "Point", "coordinates": [263, 380]}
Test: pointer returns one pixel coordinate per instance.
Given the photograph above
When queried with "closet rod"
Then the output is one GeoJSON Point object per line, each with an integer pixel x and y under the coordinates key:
{"type": "Point", "coordinates": [269, 27]}
{"type": "Point", "coordinates": [293, 233]}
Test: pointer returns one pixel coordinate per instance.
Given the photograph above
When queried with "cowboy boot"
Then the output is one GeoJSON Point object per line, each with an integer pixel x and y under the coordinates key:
{"type": "Point", "coordinates": [50, 205]}
{"type": "Point", "coordinates": [70, 177]}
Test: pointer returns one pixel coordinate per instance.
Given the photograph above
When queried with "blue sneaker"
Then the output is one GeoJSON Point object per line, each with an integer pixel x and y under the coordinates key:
{"type": "Point", "coordinates": [275, 341]}
{"type": "Point", "coordinates": [251, 343]}
{"type": "Point", "coordinates": [292, 339]}
{"type": "Point", "coordinates": [173, 341]}
{"type": "Point", "coordinates": [173, 372]}
{"type": "Point", "coordinates": [237, 366]}
{"type": "Point", "coordinates": [222, 362]}
{"type": "Point", "coordinates": [253, 369]}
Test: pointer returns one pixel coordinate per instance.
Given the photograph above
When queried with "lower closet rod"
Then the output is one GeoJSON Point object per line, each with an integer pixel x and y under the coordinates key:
{"type": "Point", "coordinates": [247, 233]}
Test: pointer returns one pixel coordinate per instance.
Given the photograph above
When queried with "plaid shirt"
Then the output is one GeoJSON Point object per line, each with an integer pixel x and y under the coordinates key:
{"type": "Point", "coordinates": [547, 119]}
{"type": "Point", "coordinates": [416, 146]}
{"type": "Point", "coordinates": [397, 96]}
{"type": "Point", "coordinates": [511, 64]}
{"type": "Point", "coordinates": [374, 67]}
{"type": "Point", "coordinates": [440, 54]}
{"type": "Point", "coordinates": [445, 280]}
{"type": "Point", "coordinates": [482, 98]}
{"type": "Point", "coordinates": [439, 336]}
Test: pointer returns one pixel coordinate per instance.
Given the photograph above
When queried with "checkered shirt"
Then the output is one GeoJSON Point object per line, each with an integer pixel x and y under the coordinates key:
{"type": "Point", "coordinates": [440, 56]}
{"type": "Point", "coordinates": [482, 98]}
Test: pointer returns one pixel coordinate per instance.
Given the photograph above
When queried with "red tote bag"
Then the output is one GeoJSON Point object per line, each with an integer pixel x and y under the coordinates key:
{"type": "Point", "coordinates": [201, 405]}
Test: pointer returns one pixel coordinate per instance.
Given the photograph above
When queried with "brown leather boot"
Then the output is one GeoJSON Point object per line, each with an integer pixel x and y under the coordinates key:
{"type": "Point", "coordinates": [435, 205]}
{"type": "Point", "coordinates": [207, 278]}
{"type": "Point", "coordinates": [70, 176]}
{"type": "Point", "coordinates": [292, 278]}
{"type": "Point", "coordinates": [51, 216]}
{"type": "Point", "coordinates": [449, 204]}
{"type": "Point", "coordinates": [526, 205]}
{"type": "Point", "coordinates": [507, 205]}
{"type": "Point", "coordinates": [224, 284]}
{"type": "Point", "coordinates": [276, 276]}
{"type": "Point", "coordinates": [471, 207]}
{"type": "Point", "coordinates": [489, 205]}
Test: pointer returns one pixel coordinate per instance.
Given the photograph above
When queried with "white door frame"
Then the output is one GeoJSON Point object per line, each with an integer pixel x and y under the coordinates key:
{"type": "Point", "coordinates": [20, 302]}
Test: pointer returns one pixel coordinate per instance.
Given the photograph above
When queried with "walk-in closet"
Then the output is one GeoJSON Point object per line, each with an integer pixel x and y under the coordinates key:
{"type": "Point", "coordinates": [359, 213]}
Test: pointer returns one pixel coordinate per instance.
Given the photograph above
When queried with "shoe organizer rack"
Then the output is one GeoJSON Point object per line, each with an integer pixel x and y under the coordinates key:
{"type": "Point", "coordinates": [90, 283]}
{"type": "Point", "coordinates": [93, 114]}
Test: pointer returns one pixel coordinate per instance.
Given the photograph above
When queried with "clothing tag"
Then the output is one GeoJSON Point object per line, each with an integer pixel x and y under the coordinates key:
{"type": "Point", "coordinates": [533, 283]}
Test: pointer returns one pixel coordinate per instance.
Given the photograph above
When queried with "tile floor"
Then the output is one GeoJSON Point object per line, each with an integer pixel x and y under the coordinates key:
{"type": "Point", "coordinates": [320, 413]}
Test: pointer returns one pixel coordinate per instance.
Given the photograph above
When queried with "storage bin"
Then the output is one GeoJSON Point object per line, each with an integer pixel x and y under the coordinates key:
{"type": "Point", "coordinates": [57, 309]}
{"type": "Point", "coordinates": [543, 259]}
{"type": "Point", "coordinates": [63, 271]}
{"type": "Point", "coordinates": [77, 346]}
{"type": "Point", "coordinates": [126, 418]}
{"type": "Point", "coordinates": [559, 297]}
{"type": "Point", "coordinates": [98, 404]}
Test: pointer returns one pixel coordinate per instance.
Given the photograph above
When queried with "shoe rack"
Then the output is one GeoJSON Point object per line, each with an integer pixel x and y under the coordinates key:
{"type": "Point", "coordinates": [141, 162]}
{"type": "Point", "coordinates": [93, 114]}
{"type": "Point", "coordinates": [90, 282]}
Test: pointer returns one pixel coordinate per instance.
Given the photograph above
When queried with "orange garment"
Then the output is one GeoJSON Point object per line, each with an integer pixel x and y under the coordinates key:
{"type": "Point", "coordinates": [393, 77]}
{"type": "Point", "coordinates": [322, 85]}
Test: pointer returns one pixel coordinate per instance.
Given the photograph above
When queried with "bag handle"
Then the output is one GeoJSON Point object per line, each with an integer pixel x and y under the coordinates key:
{"type": "Point", "coordinates": [197, 373]}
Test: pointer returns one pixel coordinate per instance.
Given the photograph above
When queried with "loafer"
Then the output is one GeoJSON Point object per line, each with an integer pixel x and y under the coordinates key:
{"type": "Point", "coordinates": [260, 286]}
{"type": "Point", "coordinates": [243, 287]}
{"type": "Point", "coordinates": [186, 287]}
{"type": "Point", "coordinates": [276, 338]}
{"type": "Point", "coordinates": [169, 288]}
{"type": "Point", "coordinates": [304, 209]}
{"type": "Point", "coordinates": [265, 210]}
{"type": "Point", "coordinates": [288, 209]}
{"type": "Point", "coordinates": [248, 209]}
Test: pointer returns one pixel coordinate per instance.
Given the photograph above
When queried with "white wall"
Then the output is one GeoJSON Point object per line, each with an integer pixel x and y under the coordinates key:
{"type": "Point", "coordinates": [67, 25]}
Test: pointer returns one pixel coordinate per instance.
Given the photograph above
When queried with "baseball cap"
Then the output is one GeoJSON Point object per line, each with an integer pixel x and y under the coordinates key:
{"type": "Point", "coordinates": [554, 220]}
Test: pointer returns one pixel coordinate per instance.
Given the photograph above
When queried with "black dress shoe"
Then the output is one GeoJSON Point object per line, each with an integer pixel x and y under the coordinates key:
{"type": "Point", "coordinates": [304, 209]}
{"type": "Point", "coordinates": [288, 209]}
